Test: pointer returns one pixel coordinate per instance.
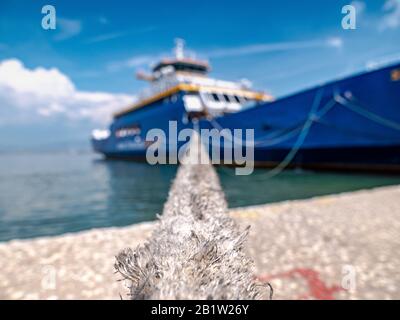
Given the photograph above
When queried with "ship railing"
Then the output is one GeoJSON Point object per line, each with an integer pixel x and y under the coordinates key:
{"type": "Point", "coordinates": [171, 81]}
{"type": "Point", "coordinates": [156, 89]}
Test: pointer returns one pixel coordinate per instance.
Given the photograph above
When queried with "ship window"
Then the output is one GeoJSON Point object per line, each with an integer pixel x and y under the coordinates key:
{"type": "Point", "coordinates": [215, 97]}
{"type": "Point", "coordinates": [237, 99]}
{"type": "Point", "coordinates": [128, 131]}
{"type": "Point", "coordinates": [226, 97]}
{"type": "Point", "coordinates": [189, 67]}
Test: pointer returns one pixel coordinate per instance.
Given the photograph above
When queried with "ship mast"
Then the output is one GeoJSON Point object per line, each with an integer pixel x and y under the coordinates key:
{"type": "Point", "coordinates": [181, 62]}
{"type": "Point", "coordinates": [179, 49]}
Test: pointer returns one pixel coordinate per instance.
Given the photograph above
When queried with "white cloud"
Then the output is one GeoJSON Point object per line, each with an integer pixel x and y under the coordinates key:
{"type": "Point", "coordinates": [334, 42]}
{"type": "Point", "coordinates": [105, 37]}
{"type": "Point", "coordinates": [119, 34]}
{"type": "Point", "coordinates": [68, 28]}
{"type": "Point", "coordinates": [133, 62]}
{"type": "Point", "coordinates": [145, 60]}
{"type": "Point", "coordinates": [391, 19]}
{"type": "Point", "coordinates": [32, 93]}
{"type": "Point", "coordinates": [272, 47]}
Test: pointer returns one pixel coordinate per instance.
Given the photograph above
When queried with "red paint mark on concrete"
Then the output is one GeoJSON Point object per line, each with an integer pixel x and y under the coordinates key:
{"type": "Point", "coordinates": [317, 288]}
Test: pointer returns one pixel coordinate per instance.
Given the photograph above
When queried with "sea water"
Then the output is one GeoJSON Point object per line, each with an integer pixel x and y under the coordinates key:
{"type": "Point", "coordinates": [52, 193]}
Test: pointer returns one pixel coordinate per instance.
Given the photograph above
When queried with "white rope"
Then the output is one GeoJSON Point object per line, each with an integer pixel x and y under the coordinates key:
{"type": "Point", "coordinates": [196, 250]}
{"type": "Point", "coordinates": [342, 101]}
{"type": "Point", "coordinates": [312, 117]}
{"type": "Point", "coordinates": [266, 142]}
{"type": "Point", "coordinates": [300, 140]}
{"type": "Point", "coordinates": [366, 113]}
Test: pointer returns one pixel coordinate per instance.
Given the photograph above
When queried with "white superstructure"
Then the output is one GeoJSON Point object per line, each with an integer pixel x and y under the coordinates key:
{"type": "Point", "coordinates": [203, 94]}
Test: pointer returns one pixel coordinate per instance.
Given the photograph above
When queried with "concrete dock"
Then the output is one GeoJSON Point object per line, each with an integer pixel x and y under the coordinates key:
{"type": "Point", "coordinates": [342, 246]}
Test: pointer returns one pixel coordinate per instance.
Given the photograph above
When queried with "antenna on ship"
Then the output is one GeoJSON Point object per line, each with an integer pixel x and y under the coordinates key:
{"type": "Point", "coordinates": [179, 48]}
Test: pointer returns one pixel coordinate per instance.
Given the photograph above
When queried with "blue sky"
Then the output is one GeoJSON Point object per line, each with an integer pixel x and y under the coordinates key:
{"type": "Point", "coordinates": [77, 74]}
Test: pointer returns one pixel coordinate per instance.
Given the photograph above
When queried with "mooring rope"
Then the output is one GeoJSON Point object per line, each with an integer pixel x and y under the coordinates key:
{"type": "Point", "coordinates": [196, 250]}
{"type": "Point", "coordinates": [316, 117]}
{"type": "Point", "coordinates": [266, 140]}
{"type": "Point", "coordinates": [301, 138]}
{"type": "Point", "coordinates": [313, 116]}
{"type": "Point", "coordinates": [372, 116]}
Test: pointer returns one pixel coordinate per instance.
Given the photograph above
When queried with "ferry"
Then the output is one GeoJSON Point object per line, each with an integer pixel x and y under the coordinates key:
{"type": "Point", "coordinates": [351, 123]}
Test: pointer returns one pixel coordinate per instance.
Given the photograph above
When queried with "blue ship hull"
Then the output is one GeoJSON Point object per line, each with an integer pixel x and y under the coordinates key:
{"type": "Point", "coordinates": [352, 123]}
